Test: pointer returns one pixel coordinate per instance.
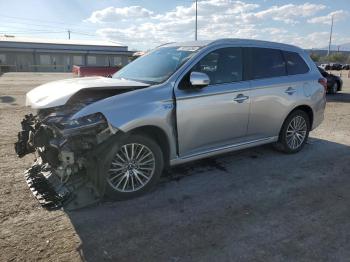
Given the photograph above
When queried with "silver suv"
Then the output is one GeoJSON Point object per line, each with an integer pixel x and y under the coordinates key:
{"type": "Point", "coordinates": [178, 103]}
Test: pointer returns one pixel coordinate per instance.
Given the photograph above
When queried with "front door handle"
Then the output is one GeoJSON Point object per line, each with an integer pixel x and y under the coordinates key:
{"type": "Point", "coordinates": [290, 91]}
{"type": "Point", "coordinates": [240, 98]}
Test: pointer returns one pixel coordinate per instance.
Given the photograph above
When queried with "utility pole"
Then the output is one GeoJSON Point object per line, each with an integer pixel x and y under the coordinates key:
{"type": "Point", "coordinates": [330, 38]}
{"type": "Point", "coordinates": [68, 31]}
{"type": "Point", "coordinates": [195, 33]}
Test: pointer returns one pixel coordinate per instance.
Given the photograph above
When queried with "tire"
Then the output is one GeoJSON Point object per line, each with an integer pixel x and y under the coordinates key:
{"type": "Point", "coordinates": [286, 137]}
{"type": "Point", "coordinates": [334, 88]}
{"type": "Point", "coordinates": [131, 178]}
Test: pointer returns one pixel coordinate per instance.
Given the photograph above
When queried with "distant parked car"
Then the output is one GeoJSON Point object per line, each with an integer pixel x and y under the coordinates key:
{"type": "Point", "coordinates": [346, 67]}
{"type": "Point", "coordinates": [336, 66]}
{"type": "Point", "coordinates": [325, 66]}
{"type": "Point", "coordinates": [334, 83]}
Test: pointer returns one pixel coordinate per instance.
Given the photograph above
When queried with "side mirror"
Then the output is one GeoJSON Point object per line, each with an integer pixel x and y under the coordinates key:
{"type": "Point", "coordinates": [199, 79]}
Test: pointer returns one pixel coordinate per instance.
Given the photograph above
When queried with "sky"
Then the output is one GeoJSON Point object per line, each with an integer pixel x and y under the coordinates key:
{"type": "Point", "coordinates": [144, 24]}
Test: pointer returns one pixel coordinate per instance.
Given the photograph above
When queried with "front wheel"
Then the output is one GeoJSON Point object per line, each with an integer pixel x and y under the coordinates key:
{"type": "Point", "coordinates": [294, 132]}
{"type": "Point", "coordinates": [135, 168]}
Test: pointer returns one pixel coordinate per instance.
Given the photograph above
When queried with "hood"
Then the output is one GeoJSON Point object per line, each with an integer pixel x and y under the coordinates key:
{"type": "Point", "coordinates": [57, 93]}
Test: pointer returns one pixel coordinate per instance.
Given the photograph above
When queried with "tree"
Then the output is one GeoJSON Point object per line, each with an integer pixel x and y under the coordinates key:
{"type": "Point", "coordinates": [315, 57]}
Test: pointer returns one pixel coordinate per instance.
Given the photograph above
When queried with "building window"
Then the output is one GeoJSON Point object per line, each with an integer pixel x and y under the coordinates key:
{"type": "Point", "coordinates": [91, 60]}
{"type": "Point", "coordinates": [106, 61]}
{"type": "Point", "coordinates": [78, 60]}
{"type": "Point", "coordinates": [2, 58]}
{"type": "Point", "coordinates": [45, 60]}
{"type": "Point", "coordinates": [117, 61]}
{"type": "Point", "coordinates": [67, 59]}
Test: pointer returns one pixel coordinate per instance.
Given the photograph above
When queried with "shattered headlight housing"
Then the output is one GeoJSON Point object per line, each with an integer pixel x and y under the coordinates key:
{"type": "Point", "coordinates": [85, 121]}
{"type": "Point", "coordinates": [96, 121]}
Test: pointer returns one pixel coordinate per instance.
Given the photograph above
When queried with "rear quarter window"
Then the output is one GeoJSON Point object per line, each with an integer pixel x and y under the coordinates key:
{"type": "Point", "coordinates": [295, 63]}
{"type": "Point", "coordinates": [267, 63]}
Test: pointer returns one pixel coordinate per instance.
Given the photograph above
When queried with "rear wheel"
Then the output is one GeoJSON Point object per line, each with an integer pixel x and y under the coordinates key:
{"type": "Point", "coordinates": [334, 89]}
{"type": "Point", "coordinates": [294, 133]}
{"type": "Point", "coordinates": [135, 168]}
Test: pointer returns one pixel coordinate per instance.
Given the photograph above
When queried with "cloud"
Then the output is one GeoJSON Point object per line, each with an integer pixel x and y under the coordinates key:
{"type": "Point", "coordinates": [290, 13]}
{"type": "Point", "coordinates": [113, 14]}
{"type": "Point", "coordinates": [312, 40]}
{"type": "Point", "coordinates": [142, 28]}
{"type": "Point", "coordinates": [208, 8]}
{"type": "Point", "coordinates": [337, 15]}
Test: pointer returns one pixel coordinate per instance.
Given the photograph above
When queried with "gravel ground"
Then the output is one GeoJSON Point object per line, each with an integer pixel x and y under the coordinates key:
{"type": "Point", "coordinates": [251, 205]}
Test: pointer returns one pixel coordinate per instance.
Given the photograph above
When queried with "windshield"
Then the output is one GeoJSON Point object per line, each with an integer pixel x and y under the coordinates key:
{"type": "Point", "coordinates": [156, 66]}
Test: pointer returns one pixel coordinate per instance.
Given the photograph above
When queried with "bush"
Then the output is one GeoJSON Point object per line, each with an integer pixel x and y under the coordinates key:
{"type": "Point", "coordinates": [338, 58]}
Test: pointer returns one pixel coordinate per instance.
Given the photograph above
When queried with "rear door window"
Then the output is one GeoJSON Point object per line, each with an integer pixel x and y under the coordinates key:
{"type": "Point", "coordinates": [267, 63]}
{"type": "Point", "coordinates": [295, 64]}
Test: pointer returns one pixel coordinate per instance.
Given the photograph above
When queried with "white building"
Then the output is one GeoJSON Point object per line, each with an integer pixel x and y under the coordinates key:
{"type": "Point", "coordinates": [46, 55]}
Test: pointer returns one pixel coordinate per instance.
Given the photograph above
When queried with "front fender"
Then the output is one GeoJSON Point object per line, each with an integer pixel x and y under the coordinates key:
{"type": "Point", "coordinates": [152, 106]}
{"type": "Point", "coordinates": [128, 110]}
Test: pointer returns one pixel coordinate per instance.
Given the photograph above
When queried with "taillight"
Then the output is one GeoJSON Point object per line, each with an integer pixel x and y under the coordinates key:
{"type": "Point", "coordinates": [323, 81]}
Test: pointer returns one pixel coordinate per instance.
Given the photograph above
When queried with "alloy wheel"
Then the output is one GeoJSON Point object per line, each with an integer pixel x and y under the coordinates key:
{"type": "Point", "coordinates": [132, 168]}
{"type": "Point", "coordinates": [296, 132]}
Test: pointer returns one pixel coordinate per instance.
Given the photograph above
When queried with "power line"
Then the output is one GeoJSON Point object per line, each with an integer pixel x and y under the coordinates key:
{"type": "Point", "coordinates": [24, 28]}
{"type": "Point", "coordinates": [26, 33]}
{"type": "Point", "coordinates": [24, 24]}
{"type": "Point", "coordinates": [31, 19]}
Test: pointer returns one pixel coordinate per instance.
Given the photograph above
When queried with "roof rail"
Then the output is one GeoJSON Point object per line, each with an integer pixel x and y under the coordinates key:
{"type": "Point", "coordinates": [164, 44]}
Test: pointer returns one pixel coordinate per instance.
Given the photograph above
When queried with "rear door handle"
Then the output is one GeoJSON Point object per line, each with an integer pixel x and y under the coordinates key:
{"type": "Point", "coordinates": [240, 98]}
{"type": "Point", "coordinates": [290, 91]}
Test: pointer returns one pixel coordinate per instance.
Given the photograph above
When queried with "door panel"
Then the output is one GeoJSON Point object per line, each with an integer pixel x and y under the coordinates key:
{"type": "Point", "coordinates": [278, 84]}
{"type": "Point", "coordinates": [210, 117]}
{"type": "Point", "coordinates": [216, 115]}
{"type": "Point", "coordinates": [271, 100]}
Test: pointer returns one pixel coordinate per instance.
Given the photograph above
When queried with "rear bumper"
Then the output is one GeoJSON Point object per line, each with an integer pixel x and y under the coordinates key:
{"type": "Point", "coordinates": [317, 121]}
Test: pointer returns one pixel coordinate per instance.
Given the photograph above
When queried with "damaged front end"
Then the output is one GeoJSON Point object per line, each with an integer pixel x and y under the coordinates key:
{"type": "Point", "coordinates": [64, 172]}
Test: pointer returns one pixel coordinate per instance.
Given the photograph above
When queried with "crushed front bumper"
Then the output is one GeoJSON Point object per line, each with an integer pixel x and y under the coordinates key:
{"type": "Point", "coordinates": [52, 193]}
{"type": "Point", "coordinates": [37, 178]}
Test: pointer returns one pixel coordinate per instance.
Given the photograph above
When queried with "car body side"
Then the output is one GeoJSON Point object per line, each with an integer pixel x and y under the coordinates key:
{"type": "Point", "coordinates": [155, 108]}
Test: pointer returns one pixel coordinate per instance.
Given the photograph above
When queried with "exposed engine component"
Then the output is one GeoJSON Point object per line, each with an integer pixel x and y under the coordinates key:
{"type": "Point", "coordinates": [22, 146]}
{"type": "Point", "coordinates": [59, 177]}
